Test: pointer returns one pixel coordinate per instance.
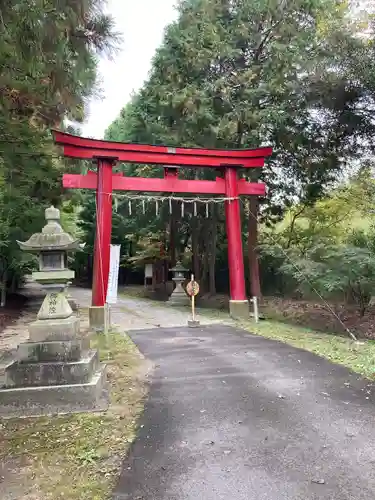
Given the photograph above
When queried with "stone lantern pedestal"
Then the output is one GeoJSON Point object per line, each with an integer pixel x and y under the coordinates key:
{"type": "Point", "coordinates": [178, 296]}
{"type": "Point", "coordinates": [55, 371]}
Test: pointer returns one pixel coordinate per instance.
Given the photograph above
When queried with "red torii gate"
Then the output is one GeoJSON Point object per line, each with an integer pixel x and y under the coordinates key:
{"type": "Point", "coordinates": [107, 153]}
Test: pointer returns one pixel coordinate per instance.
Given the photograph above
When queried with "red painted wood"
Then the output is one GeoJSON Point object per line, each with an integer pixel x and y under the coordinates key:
{"type": "Point", "coordinates": [169, 184]}
{"type": "Point", "coordinates": [103, 184]}
{"type": "Point", "coordinates": [82, 142]}
{"type": "Point", "coordinates": [163, 158]}
{"type": "Point", "coordinates": [233, 225]}
{"type": "Point", "coordinates": [251, 188]}
{"type": "Point", "coordinates": [76, 181]}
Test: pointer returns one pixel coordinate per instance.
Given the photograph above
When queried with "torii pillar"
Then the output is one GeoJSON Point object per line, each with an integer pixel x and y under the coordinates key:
{"type": "Point", "coordinates": [238, 303]}
{"type": "Point", "coordinates": [98, 313]}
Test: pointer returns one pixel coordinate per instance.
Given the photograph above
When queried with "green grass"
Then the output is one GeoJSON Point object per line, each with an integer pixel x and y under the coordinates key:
{"type": "Point", "coordinates": [358, 356]}
{"type": "Point", "coordinates": [78, 457]}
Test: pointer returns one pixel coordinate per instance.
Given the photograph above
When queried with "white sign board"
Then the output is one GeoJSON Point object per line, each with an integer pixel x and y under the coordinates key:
{"type": "Point", "coordinates": [148, 271]}
{"type": "Point", "coordinates": [114, 266]}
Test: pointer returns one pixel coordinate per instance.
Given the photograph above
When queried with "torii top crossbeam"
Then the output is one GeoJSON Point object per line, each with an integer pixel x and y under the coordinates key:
{"type": "Point", "coordinates": [80, 147]}
{"type": "Point", "coordinates": [107, 153]}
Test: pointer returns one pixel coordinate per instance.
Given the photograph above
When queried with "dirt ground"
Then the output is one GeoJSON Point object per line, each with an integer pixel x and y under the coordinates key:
{"type": "Point", "coordinates": [14, 319]}
{"type": "Point", "coordinates": [12, 311]}
{"type": "Point", "coordinates": [314, 315]}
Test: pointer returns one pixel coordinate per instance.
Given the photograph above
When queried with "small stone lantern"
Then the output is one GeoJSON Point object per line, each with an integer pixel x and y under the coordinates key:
{"type": "Point", "coordinates": [179, 296]}
{"type": "Point", "coordinates": [52, 245]}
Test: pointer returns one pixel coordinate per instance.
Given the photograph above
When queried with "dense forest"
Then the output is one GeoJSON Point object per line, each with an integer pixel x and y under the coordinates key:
{"type": "Point", "coordinates": [297, 75]}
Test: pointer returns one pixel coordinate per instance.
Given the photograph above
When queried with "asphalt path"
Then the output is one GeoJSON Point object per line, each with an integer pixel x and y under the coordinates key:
{"type": "Point", "coordinates": [238, 417]}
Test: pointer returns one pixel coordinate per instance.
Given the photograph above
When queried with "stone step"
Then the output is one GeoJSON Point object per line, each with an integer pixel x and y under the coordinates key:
{"type": "Point", "coordinates": [5, 362]}
{"type": "Point", "coordinates": [56, 399]}
{"type": "Point", "coordinates": [58, 350]}
{"type": "Point", "coordinates": [52, 373]}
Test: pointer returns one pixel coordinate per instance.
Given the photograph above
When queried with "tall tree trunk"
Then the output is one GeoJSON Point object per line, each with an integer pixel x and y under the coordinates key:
{"type": "Point", "coordinates": [195, 246]}
{"type": "Point", "coordinates": [204, 274]}
{"type": "Point", "coordinates": [205, 254]}
{"type": "Point", "coordinates": [212, 256]}
{"type": "Point", "coordinates": [154, 277]}
{"type": "Point", "coordinates": [14, 284]}
{"type": "Point", "coordinates": [89, 268]}
{"type": "Point", "coordinates": [172, 234]}
{"type": "Point", "coordinates": [252, 244]}
{"type": "Point", "coordinates": [165, 258]}
{"type": "Point", "coordinates": [3, 286]}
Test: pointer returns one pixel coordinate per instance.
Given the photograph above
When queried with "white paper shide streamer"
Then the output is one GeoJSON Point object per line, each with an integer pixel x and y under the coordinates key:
{"type": "Point", "coordinates": [160, 199]}
{"type": "Point", "coordinates": [114, 266]}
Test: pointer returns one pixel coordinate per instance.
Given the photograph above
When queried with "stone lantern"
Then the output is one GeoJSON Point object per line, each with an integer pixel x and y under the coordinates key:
{"type": "Point", "coordinates": [179, 296]}
{"type": "Point", "coordinates": [52, 246]}
{"type": "Point", "coordinates": [55, 371]}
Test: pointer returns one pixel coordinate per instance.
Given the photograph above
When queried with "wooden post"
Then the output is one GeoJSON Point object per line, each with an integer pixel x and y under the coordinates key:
{"type": "Point", "coordinates": [103, 232]}
{"type": "Point", "coordinates": [193, 301]}
{"type": "Point", "coordinates": [238, 303]}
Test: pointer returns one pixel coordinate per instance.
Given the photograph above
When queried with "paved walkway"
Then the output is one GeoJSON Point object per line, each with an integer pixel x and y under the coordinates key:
{"type": "Point", "coordinates": [134, 314]}
{"type": "Point", "coordinates": [238, 417]}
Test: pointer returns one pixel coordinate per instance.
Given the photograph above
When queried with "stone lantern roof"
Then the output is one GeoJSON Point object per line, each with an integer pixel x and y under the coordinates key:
{"type": "Point", "coordinates": [179, 268]}
{"type": "Point", "coordinates": [52, 237]}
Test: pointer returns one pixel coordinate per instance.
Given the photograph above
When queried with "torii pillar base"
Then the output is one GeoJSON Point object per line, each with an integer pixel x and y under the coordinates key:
{"type": "Point", "coordinates": [99, 318]}
{"type": "Point", "coordinates": [239, 309]}
{"type": "Point", "coordinates": [193, 323]}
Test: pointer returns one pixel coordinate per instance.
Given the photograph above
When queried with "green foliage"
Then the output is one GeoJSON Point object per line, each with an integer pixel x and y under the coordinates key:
{"type": "Point", "coordinates": [337, 269]}
{"type": "Point", "coordinates": [343, 221]}
{"type": "Point", "coordinates": [48, 58]}
{"type": "Point", "coordinates": [333, 218]}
